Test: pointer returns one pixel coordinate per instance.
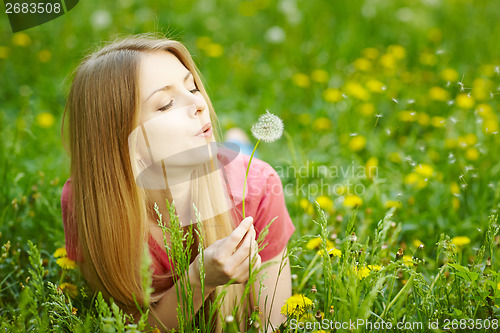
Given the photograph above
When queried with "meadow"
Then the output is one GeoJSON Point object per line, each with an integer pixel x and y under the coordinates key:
{"type": "Point", "coordinates": [391, 113]}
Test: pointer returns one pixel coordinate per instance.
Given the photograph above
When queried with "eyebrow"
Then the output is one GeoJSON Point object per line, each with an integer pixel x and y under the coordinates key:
{"type": "Point", "coordinates": [167, 87]}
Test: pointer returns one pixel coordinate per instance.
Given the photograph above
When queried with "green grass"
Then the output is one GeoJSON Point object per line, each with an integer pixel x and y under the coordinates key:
{"type": "Point", "coordinates": [246, 74]}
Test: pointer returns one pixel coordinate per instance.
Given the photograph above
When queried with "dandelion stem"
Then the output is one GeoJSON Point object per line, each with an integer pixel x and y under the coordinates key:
{"type": "Point", "coordinates": [246, 177]}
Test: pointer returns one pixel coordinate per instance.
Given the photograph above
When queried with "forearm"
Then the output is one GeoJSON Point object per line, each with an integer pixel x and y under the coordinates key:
{"type": "Point", "coordinates": [278, 288]}
{"type": "Point", "coordinates": [166, 307]}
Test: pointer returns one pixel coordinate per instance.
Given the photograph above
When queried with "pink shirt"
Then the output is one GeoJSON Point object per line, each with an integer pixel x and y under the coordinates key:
{"type": "Point", "coordinates": [264, 201]}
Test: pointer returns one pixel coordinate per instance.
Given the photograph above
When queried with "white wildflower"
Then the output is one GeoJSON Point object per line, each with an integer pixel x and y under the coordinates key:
{"type": "Point", "coordinates": [269, 128]}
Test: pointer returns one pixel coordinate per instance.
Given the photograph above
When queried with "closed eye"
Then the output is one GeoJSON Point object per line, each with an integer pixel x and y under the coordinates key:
{"type": "Point", "coordinates": [194, 91]}
{"type": "Point", "coordinates": [166, 107]}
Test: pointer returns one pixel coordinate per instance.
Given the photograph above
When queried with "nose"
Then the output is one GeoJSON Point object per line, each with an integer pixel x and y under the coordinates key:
{"type": "Point", "coordinates": [200, 105]}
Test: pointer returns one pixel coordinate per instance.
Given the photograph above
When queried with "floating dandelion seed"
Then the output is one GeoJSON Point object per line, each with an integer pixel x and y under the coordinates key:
{"type": "Point", "coordinates": [269, 128]}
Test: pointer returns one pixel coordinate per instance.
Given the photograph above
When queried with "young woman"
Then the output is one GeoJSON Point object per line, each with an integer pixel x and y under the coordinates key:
{"type": "Point", "coordinates": [142, 130]}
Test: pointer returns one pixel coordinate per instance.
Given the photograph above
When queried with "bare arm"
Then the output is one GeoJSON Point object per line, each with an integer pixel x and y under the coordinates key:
{"type": "Point", "coordinates": [282, 285]}
{"type": "Point", "coordinates": [166, 308]}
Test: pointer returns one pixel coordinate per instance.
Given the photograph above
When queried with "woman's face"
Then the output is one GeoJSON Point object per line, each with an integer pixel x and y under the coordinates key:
{"type": "Point", "coordinates": [174, 115]}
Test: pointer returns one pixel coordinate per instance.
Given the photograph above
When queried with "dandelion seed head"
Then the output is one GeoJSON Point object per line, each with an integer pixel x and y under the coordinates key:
{"type": "Point", "coordinates": [268, 128]}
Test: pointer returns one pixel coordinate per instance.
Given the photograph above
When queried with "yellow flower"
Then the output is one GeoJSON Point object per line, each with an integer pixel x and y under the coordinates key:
{"type": "Point", "coordinates": [44, 55]}
{"type": "Point", "coordinates": [388, 61]}
{"type": "Point", "coordinates": [362, 272]}
{"type": "Point", "coordinates": [367, 109]}
{"type": "Point", "coordinates": [450, 143]}
{"type": "Point", "coordinates": [304, 203]}
{"type": "Point", "coordinates": [21, 39]}
{"type": "Point", "coordinates": [296, 305]}
{"type": "Point", "coordinates": [214, 50]}
{"type": "Point", "coordinates": [485, 110]}
{"type": "Point", "coordinates": [60, 252]}
{"type": "Point", "coordinates": [428, 59]}
{"type": "Point", "coordinates": [70, 289]}
{"type": "Point", "coordinates": [352, 201]}
{"type": "Point", "coordinates": [449, 74]}
{"type": "Point", "coordinates": [407, 116]}
{"type": "Point", "coordinates": [375, 267]}
{"type": "Point", "coordinates": [332, 251]}
{"type": "Point", "coordinates": [370, 53]}
{"type": "Point", "coordinates": [423, 118]}
{"type": "Point", "coordinates": [438, 121]}
{"type": "Point", "coordinates": [375, 86]}
{"type": "Point", "coordinates": [424, 170]}
{"type": "Point", "coordinates": [407, 261]}
{"type": "Point", "coordinates": [306, 206]}
{"type": "Point", "coordinates": [394, 157]}
{"type": "Point", "coordinates": [325, 203]}
{"type": "Point", "coordinates": [465, 101]}
{"type": "Point", "coordinates": [319, 75]}
{"type": "Point", "coordinates": [45, 120]}
{"type": "Point", "coordinates": [357, 143]}
{"type": "Point", "coordinates": [66, 263]}
{"type": "Point", "coordinates": [322, 124]}
{"type": "Point", "coordinates": [393, 203]}
{"type": "Point", "coordinates": [490, 126]}
{"type": "Point", "coordinates": [362, 64]}
{"type": "Point", "coordinates": [439, 94]}
{"type": "Point", "coordinates": [417, 243]}
{"type": "Point", "coordinates": [314, 243]}
{"type": "Point", "coordinates": [460, 240]}
{"type": "Point", "coordinates": [301, 80]}
{"type": "Point", "coordinates": [472, 154]}
{"type": "Point", "coordinates": [332, 95]}
{"type": "Point", "coordinates": [487, 69]}
{"type": "Point", "coordinates": [357, 90]}
{"type": "Point", "coordinates": [470, 139]}
{"type": "Point", "coordinates": [498, 286]}
{"type": "Point", "coordinates": [454, 188]}
{"type": "Point", "coordinates": [481, 88]}
{"type": "Point", "coordinates": [415, 179]}
{"type": "Point", "coordinates": [397, 51]}
{"type": "Point", "coordinates": [371, 167]}
{"type": "Point", "coordinates": [4, 52]}
{"type": "Point", "coordinates": [455, 202]}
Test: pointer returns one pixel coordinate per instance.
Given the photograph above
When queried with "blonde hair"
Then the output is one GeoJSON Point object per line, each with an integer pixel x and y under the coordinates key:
{"type": "Point", "coordinates": [110, 210]}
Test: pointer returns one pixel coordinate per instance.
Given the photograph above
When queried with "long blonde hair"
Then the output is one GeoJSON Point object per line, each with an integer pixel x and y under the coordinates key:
{"type": "Point", "coordinates": [110, 210]}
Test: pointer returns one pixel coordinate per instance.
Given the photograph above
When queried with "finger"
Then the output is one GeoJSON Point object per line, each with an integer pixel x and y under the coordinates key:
{"type": "Point", "coordinates": [242, 274]}
{"type": "Point", "coordinates": [242, 252]}
{"type": "Point", "coordinates": [237, 235]}
{"type": "Point", "coordinates": [252, 230]}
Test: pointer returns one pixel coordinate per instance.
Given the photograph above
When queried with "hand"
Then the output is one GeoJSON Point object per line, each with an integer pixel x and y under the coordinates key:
{"type": "Point", "coordinates": [229, 258]}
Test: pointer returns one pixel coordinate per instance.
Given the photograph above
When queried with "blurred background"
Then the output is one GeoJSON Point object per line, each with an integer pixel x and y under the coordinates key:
{"type": "Point", "coordinates": [408, 87]}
